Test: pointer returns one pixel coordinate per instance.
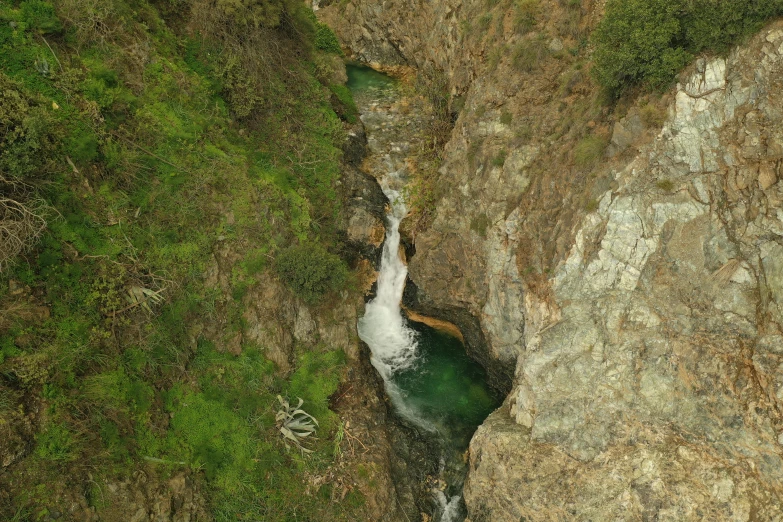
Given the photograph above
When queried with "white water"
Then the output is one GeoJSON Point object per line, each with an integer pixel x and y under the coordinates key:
{"type": "Point", "coordinates": [449, 507]}
{"type": "Point", "coordinates": [391, 341]}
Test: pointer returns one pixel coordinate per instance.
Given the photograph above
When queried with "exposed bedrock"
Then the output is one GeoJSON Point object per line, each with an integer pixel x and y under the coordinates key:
{"type": "Point", "coordinates": [641, 306]}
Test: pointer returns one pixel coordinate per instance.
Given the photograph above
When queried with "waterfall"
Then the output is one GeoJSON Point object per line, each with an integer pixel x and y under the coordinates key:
{"type": "Point", "coordinates": [450, 508]}
{"type": "Point", "coordinates": [416, 380]}
{"type": "Point", "coordinates": [391, 341]}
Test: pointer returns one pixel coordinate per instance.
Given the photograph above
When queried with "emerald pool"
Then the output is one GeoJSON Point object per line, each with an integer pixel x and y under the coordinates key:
{"type": "Point", "coordinates": [446, 387]}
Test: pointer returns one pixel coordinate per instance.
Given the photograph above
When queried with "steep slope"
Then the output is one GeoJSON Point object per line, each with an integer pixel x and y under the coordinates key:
{"type": "Point", "coordinates": [177, 181]}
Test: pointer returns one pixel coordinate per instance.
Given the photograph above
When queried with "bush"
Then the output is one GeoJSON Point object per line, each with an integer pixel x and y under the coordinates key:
{"type": "Point", "coordinates": [255, 13]}
{"type": "Point", "coordinates": [310, 271]}
{"type": "Point", "coordinates": [649, 41]}
{"type": "Point", "coordinates": [716, 25]}
{"type": "Point", "coordinates": [326, 40]}
{"type": "Point", "coordinates": [639, 41]}
{"type": "Point", "coordinates": [41, 16]}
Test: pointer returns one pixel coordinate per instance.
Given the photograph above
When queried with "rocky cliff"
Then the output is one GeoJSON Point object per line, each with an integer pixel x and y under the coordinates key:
{"type": "Point", "coordinates": [635, 295]}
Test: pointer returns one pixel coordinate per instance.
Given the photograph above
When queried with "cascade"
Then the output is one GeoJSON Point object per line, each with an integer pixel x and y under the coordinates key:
{"type": "Point", "coordinates": [432, 383]}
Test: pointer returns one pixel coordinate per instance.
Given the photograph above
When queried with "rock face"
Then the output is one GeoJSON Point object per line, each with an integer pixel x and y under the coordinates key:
{"type": "Point", "coordinates": [643, 316]}
{"type": "Point", "coordinates": [654, 390]}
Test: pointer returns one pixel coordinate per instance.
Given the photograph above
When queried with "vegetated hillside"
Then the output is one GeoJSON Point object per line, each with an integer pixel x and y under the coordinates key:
{"type": "Point", "coordinates": [137, 138]}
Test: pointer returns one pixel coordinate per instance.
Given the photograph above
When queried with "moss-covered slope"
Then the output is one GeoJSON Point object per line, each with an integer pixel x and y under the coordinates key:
{"type": "Point", "coordinates": [137, 137]}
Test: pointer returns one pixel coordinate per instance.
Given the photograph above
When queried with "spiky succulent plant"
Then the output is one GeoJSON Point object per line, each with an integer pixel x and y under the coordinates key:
{"type": "Point", "coordinates": [295, 424]}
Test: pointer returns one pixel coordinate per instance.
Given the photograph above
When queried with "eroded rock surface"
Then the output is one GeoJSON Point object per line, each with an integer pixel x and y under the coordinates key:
{"type": "Point", "coordinates": [641, 305]}
{"type": "Point", "coordinates": [654, 391]}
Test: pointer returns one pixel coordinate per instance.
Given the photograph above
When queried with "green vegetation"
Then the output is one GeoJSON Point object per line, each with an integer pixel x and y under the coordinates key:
{"type": "Point", "coordinates": [525, 15]}
{"type": "Point", "coordinates": [499, 159]}
{"type": "Point", "coordinates": [311, 271]}
{"type": "Point", "coordinates": [479, 224]}
{"type": "Point", "coordinates": [138, 141]}
{"type": "Point", "coordinates": [346, 108]}
{"type": "Point", "coordinates": [589, 151]}
{"type": "Point", "coordinates": [529, 53]}
{"type": "Point", "coordinates": [649, 41]}
{"type": "Point", "coordinates": [652, 116]}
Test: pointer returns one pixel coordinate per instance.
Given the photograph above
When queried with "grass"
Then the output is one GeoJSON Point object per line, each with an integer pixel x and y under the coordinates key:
{"type": "Point", "coordinates": [526, 13]}
{"type": "Point", "coordinates": [150, 166]}
{"type": "Point", "coordinates": [589, 151]}
{"type": "Point", "coordinates": [499, 159]}
{"type": "Point", "coordinates": [528, 54]}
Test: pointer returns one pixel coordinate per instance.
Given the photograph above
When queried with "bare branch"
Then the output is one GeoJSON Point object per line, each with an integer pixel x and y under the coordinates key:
{"type": "Point", "coordinates": [22, 220]}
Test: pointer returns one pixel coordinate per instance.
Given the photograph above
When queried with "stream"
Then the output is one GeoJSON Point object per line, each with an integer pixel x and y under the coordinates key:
{"type": "Point", "coordinates": [432, 383]}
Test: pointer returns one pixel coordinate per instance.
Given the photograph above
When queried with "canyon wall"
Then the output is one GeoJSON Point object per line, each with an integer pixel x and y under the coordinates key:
{"type": "Point", "coordinates": [636, 294]}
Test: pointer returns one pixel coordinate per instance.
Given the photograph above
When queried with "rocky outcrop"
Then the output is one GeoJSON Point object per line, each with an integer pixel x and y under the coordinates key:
{"type": "Point", "coordinates": [638, 298]}
{"type": "Point", "coordinates": [650, 387]}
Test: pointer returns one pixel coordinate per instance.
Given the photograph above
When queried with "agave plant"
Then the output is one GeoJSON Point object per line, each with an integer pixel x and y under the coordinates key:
{"type": "Point", "coordinates": [295, 424]}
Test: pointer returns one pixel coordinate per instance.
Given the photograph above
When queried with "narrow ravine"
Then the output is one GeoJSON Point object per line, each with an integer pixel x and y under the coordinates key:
{"type": "Point", "coordinates": [432, 383]}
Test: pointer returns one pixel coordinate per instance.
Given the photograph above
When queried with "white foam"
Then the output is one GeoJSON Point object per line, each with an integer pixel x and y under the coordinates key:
{"type": "Point", "coordinates": [391, 341]}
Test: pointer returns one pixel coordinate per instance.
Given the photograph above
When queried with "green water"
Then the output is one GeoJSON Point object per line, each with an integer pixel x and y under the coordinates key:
{"type": "Point", "coordinates": [447, 387]}
{"type": "Point", "coordinates": [361, 78]}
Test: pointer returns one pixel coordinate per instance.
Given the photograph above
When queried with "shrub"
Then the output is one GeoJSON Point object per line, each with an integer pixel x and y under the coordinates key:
{"type": "Point", "coordinates": [310, 271]}
{"type": "Point", "coordinates": [256, 13]}
{"type": "Point", "coordinates": [652, 116]}
{"type": "Point", "coordinates": [639, 41]}
{"type": "Point", "coordinates": [326, 40]}
{"type": "Point", "coordinates": [716, 25]}
{"type": "Point", "coordinates": [649, 41]}
{"type": "Point", "coordinates": [40, 16]}
{"type": "Point", "coordinates": [22, 220]}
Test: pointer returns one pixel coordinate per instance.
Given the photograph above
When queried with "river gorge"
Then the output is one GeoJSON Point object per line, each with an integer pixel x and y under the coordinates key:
{"type": "Point", "coordinates": [432, 383]}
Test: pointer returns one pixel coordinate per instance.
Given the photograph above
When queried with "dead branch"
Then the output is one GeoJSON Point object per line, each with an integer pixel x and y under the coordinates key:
{"type": "Point", "coordinates": [22, 220]}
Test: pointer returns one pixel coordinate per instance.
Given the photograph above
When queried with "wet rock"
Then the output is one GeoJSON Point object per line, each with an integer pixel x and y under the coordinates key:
{"type": "Point", "coordinates": [363, 227]}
